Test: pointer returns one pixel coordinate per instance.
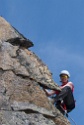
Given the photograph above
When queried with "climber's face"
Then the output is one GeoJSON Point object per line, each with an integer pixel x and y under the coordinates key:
{"type": "Point", "coordinates": [64, 78]}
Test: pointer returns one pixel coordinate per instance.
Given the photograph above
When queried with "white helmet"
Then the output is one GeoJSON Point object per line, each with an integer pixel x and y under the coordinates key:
{"type": "Point", "coordinates": [65, 72]}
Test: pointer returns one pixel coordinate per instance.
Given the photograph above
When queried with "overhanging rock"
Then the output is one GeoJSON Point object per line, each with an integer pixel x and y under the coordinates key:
{"type": "Point", "coordinates": [10, 34]}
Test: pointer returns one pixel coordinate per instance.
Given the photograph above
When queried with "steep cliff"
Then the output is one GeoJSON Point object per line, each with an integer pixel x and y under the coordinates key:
{"type": "Point", "coordinates": [22, 78]}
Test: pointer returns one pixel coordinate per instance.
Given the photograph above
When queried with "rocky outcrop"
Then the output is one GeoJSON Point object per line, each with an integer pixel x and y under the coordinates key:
{"type": "Point", "coordinates": [22, 79]}
{"type": "Point", "coordinates": [10, 34]}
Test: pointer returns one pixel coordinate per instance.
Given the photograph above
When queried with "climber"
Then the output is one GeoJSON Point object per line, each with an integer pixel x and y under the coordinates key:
{"type": "Point", "coordinates": [64, 99]}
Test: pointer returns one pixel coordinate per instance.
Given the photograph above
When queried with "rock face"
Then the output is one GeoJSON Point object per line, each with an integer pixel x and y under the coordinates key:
{"type": "Point", "coordinates": [22, 79]}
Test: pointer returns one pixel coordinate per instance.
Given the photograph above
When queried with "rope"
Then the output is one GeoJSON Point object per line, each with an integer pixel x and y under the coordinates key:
{"type": "Point", "coordinates": [67, 115]}
{"type": "Point", "coordinates": [72, 119]}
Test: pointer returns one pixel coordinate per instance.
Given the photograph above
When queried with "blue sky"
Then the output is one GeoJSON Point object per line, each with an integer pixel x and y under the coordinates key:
{"type": "Point", "coordinates": [56, 27]}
